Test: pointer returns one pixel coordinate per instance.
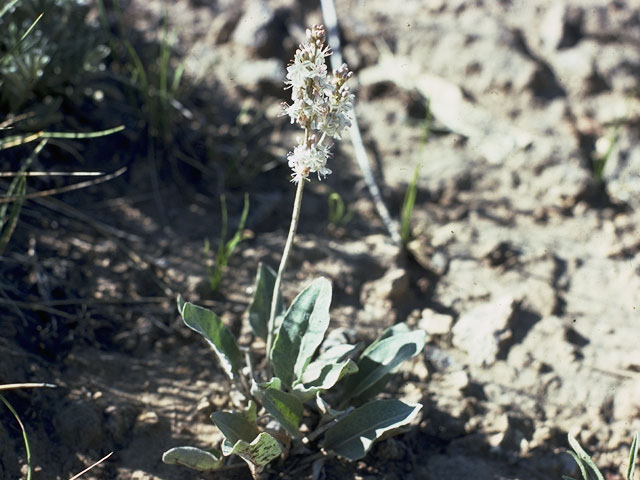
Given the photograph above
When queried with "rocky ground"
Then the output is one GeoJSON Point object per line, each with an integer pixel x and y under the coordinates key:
{"type": "Point", "coordinates": [524, 269]}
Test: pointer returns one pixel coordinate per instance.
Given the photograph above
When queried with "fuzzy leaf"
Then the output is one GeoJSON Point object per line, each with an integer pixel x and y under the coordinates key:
{"type": "Point", "coordinates": [251, 412]}
{"type": "Point", "coordinates": [337, 353]}
{"type": "Point", "coordinates": [328, 413]}
{"type": "Point", "coordinates": [209, 325]}
{"type": "Point", "coordinates": [260, 307]}
{"type": "Point", "coordinates": [192, 457]}
{"type": "Point", "coordinates": [262, 450]}
{"type": "Point", "coordinates": [286, 408]}
{"type": "Point", "coordinates": [382, 357]}
{"type": "Point", "coordinates": [258, 388]}
{"type": "Point", "coordinates": [235, 426]}
{"type": "Point", "coordinates": [321, 376]}
{"type": "Point", "coordinates": [353, 436]}
{"type": "Point", "coordinates": [302, 331]}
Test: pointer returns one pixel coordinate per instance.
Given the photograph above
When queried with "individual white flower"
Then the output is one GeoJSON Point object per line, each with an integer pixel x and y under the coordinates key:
{"type": "Point", "coordinates": [305, 160]}
{"type": "Point", "coordinates": [297, 74]}
{"type": "Point", "coordinates": [293, 110]}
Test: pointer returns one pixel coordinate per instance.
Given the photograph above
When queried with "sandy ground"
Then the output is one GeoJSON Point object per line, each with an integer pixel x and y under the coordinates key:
{"type": "Point", "coordinates": [524, 269]}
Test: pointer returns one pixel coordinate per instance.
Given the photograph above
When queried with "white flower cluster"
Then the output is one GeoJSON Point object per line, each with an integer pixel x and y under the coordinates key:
{"type": "Point", "coordinates": [322, 104]}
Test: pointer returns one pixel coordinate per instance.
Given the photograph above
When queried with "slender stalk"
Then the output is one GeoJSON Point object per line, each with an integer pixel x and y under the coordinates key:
{"type": "Point", "coordinates": [24, 436]}
{"type": "Point", "coordinates": [295, 216]}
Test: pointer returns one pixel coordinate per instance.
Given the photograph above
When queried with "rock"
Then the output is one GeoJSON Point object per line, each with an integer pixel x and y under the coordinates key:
{"type": "Point", "coordinates": [557, 354]}
{"type": "Point", "coordinates": [560, 27]}
{"type": "Point", "coordinates": [622, 171]}
{"type": "Point", "coordinates": [261, 74]}
{"type": "Point", "coordinates": [435, 261]}
{"type": "Point", "coordinates": [457, 381]}
{"type": "Point", "coordinates": [513, 435]}
{"type": "Point", "coordinates": [442, 360]}
{"type": "Point", "coordinates": [481, 330]}
{"type": "Point", "coordinates": [119, 420]}
{"type": "Point", "coordinates": [393, 286]}
{"type": "Point", "coordinates": [626, 402]}
{"type": "Point", "coordinates": [140, 475]}
{"type": "Point", "coordinates": [435, 323]}
{"type": "Point", "coordinates": [383, 250]}
{"type": "Point", "coordinates": [79, 424]}
{"type": "Point", "coordinates": [502, 254]}
{"type": "Point", "coordinates": [253, 28]}
{"type": "Point", "coordinates": [379, 297]}
{"type": "Point", "coordinates": [146, 421]}
{"type": "Point", "coordinates": [561, 185]}
{"type": "Point", "coordinates": [612, 20]}
{"type": "Point", "coordinates": [576, 68]}
{"type": "Point", "coordinates": [444, 235]}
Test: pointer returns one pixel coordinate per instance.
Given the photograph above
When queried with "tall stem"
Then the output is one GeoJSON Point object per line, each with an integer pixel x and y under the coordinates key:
{"type": "Point", "coordinates": [295, 216]}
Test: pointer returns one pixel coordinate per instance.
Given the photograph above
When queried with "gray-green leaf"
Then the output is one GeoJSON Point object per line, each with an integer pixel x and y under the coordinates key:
{"type": "Point", "coordinates": [286, 408]}
{"type": "Point", "coordinates": [302, 331]}
{"type": "Point", "coordinates": [382, 357]}
{"type": "Point", "coordinates": [192, 457]}
{"type": "Point", "coordinates": [235, 426]}
{"type": "Point", "coordinates": [353, 436]}
{"type": "Point", "coordinates": [260, 307]}
{"type": "Point", "coordinates": [321, 376]}
{"type": "Point", "coordinates": [262, 450]}
{"type": "Point", "coordinates": [209, 325]}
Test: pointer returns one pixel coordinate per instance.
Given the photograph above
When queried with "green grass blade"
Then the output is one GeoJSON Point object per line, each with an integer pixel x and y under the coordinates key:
{"type": "Point", "coordinates": [30, 29]}
{"type": "Point", "coordinates": [408, 206]}
{"type": "Point", "coordinates": [24, 435]}
{"type": "Point", "coordinates": [74, 135]}
{"type": "Point", "coordinates": [239, 235]}
{"type": "Point", "coordinates": [138, 68]}
{"type": "Point", "coordinates": [165, 55]}
{"type": "Point", "coordinates": [7, 227]}
{"type": "Point", "coordinates": [16, 140]}
{"type": "Point", "coordinates": [632, 457]}
{"type": "Point", "coordinates": [336, 208]}
{"type": "Point", "coordinates": [8, 7]}
{"type": "Point", "coordinates": [583, 470]}
{"type": "Point", "coordinates": [585, 459]}
{"type": "Point", "coordinates": [17, 45]}
{"type": "Point", "coordinates": [177, 77]}
{"type": "Point", "coordinates": [18, 187]}
{"type": "Point", "coordinates": [410, 195]}
{"type": "Point", "coordinates": [215, 275]}
{"type": "Point", "coordinates": [226, 248]}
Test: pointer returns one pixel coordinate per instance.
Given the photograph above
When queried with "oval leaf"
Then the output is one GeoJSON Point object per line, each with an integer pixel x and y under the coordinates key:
{"type": "Point", "coordinates": [286, 408]}
{"type": "Point", "coordinates": [260, 307]}
{"type": "Point", "coordinates": [321, 376]}
{"type": "Point", "coordinates": [235, 426]}
{"type": "Point", "coordinates": [353, 436]}
{"type": "Point", "coordinates": [192, 457]}
{"type": "Point", "coordinates": [262, 450]}
{"type": "Point", "coordinates": [209, 325]}
{"type": "Point", "coordinates": [384, 356]}
{"type": "Point", "coordinates": [302, 331]}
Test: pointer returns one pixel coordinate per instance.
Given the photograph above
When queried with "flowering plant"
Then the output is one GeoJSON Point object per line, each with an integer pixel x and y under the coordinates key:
{"type": "Point", "coordinates": [303, 373]}
{"type": "Point", "coordinates": [321, 105]}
